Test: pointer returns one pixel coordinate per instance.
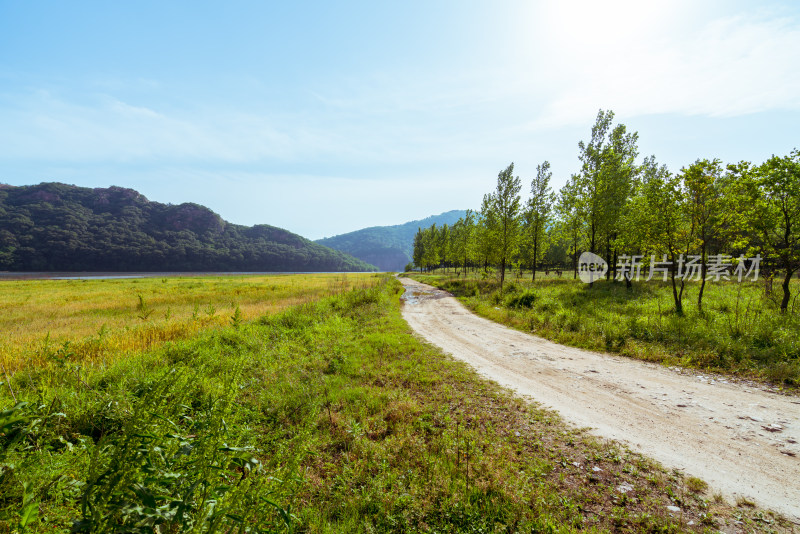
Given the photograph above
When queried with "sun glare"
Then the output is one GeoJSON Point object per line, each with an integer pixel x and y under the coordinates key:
{"type": "Point", "coordinates": [587, 29]}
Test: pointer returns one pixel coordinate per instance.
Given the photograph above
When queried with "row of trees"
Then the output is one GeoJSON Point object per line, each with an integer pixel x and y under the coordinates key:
{"type": "Point", "coordinates": [617, 206]}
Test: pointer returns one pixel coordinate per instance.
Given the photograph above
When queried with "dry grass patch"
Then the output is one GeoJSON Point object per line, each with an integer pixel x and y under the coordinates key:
{"type": "Point", "coordinates": [88, 321]}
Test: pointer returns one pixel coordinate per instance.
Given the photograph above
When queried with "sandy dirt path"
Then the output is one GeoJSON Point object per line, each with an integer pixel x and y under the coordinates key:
{"type": "Point", "coordinates": [742, 440]}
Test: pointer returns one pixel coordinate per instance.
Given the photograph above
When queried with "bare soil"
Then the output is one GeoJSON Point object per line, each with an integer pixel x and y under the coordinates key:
{"type": "Point", "coordinates": [740, 438]}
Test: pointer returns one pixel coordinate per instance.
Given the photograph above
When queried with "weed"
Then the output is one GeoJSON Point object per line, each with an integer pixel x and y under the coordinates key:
{"type": "Point", "coordinates": [707, 519]}
{"type": "Point", "coordinates": [696, 485]}
{"type": "Point", "coordinates": [745, 502]}
{"type": "Point", "coordinates": [236, 318]}
{"type": "Point", "coordinates": [143, 310]}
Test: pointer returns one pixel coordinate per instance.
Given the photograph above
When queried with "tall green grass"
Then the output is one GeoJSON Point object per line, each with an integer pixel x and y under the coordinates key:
{"type": "Point", "coordinates": [739, 331]}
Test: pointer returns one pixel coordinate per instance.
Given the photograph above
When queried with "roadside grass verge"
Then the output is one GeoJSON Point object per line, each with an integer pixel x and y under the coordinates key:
{"type": "Point", "coordinates": [326, 417]}
{"type": "Point", "coordinates": [91, 320]}
{"type": "Point", "coordinates": [740, 331]}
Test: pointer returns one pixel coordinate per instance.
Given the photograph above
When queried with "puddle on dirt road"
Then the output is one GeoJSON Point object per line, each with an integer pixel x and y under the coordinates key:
{"type": "Point", "coordinates": [410, 297]}
{"type": "Point", "coordinates": [414, 295]}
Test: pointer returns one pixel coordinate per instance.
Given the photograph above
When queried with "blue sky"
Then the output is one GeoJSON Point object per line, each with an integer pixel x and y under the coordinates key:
{"type": "Point", "coordinates": [325, 117]}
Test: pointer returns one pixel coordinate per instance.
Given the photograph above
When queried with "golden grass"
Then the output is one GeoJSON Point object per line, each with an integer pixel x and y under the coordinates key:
{"type": "Point", "coordinates": [88, 321]}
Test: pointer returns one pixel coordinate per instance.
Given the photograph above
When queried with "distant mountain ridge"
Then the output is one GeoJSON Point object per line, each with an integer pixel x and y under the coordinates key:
{"type": "Point", "coordinates": [60, 227]}
{"type": "Point", "coordinates": [388, 247]}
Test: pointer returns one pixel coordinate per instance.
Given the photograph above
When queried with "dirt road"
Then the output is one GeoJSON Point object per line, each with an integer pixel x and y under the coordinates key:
{"type": "Point", "coordinates": [742, 440]}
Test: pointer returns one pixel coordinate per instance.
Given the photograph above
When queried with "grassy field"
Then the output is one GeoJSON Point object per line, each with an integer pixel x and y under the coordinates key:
{"type": "Point", "coordinates": [328, 416]}
{"type": "Point", "coordinates": [91, 320]}
{"type": "Point", "coordinates": [740, 330]}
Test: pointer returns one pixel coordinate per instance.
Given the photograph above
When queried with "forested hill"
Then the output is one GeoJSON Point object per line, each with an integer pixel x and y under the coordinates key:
{"type": "Point", "coordinates": [58, 227]}
{"type": "Point", "coordinates": [388, 247]}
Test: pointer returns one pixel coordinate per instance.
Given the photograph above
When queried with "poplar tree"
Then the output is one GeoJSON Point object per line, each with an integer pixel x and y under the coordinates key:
{"type": "Point", "coordinates": [589, 185]}
{"type": "Point", "coordinates": [777, 214]}
{"type": "Point", "coordinates": [605, 182]}
{"type": "Point", "coordinates": [430, 258]}
{"type": "Point", "coordinates": [462, 237]}
{"type": "Point", "coordinates": [571, 221]}
{"type": "Point", "coordinates": [663, 221]}
{"type": "Point", "coordinates": [419, 248]}
{"type": "Point", "coordinates": [443, 244]}
{"type": "Point", "coordinates": [485, 246]}
{"type": "Point", "coordinates": [503, 217]}
{"type": "Point", "coordinates": [701, 181]}
{"type": "Point", "coordinates": [619, 175]}
{"type": "Point", "coordinates": [538, 210]}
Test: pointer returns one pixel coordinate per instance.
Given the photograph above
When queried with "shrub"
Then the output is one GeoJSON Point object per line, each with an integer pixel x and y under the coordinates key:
{"type": "Point", "coordinates": [521, 300]}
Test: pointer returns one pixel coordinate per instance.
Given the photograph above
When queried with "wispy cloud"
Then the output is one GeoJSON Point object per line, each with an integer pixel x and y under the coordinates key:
{"type": "Point", "coordinates": [416, 122]}
{"type": "Point", "coordinates": [45, 126]}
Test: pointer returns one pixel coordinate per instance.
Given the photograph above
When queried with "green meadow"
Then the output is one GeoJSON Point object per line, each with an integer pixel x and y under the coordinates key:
{"type": "Point", "coordinates": [312, 409]}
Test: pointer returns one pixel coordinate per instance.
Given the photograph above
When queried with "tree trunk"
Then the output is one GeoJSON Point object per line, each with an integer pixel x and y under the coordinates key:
{"type": "Point", "coordinates": [785, 285]}
{"type": "Point", "coordinates": [575, 263]}
{"type": "Point", "coordinates": [678, 304]}
{"type": "Point", "coordinates": [703, 271]}
{"type": "Point", "coordinates": [591, 249]}
{"type": "Point", "coordinates": [678, 297]}
{"type": "Point", "coordinates": [502, 272]}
